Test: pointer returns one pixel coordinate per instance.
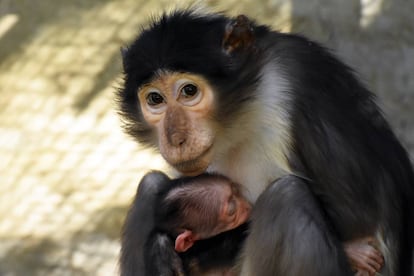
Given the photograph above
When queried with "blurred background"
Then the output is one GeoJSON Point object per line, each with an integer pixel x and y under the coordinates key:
{"type": "Point", "coordinates": [67, 171]}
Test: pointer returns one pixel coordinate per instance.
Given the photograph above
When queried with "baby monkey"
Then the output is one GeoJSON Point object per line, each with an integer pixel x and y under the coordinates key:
{"type": "Point", "coordinates": [198, 208]}
{"type": "Point", "coordinates": [211, 210]}
{"type": "Point", "coordinates": [193, 209]}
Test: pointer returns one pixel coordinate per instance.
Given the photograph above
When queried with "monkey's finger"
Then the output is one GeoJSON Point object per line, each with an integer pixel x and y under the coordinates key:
{"type": "Point", "coordinates": [366, 264]}
{"type": "Point", "coordinates": [375, 259]}
{"type": "Point", "coordinates": [370, 252]}
{"type": "Point", "coordinates": [375, 265]}
{"type": "Point", "coordinates": [379, 259]}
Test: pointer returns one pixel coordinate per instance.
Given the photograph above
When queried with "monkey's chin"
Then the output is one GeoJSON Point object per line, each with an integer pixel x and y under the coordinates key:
{"type": "Point", "coordinates": [192, 169]}
{"type": "Point", "coordinates": [192, 172]}
{"type": "Point", "coordinates": [196, 166]}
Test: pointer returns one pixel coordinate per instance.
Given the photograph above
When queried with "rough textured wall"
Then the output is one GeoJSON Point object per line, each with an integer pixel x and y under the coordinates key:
{"type": "Point", "coordinates": [377, 39]}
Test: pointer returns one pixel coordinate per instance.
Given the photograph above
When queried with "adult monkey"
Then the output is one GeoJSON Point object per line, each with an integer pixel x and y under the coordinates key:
{"type": "Point", "coordinates": [230, 96]}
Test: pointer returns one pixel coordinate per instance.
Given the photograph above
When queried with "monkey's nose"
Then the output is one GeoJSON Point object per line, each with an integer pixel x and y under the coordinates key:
{"type": "Point", "coordinates": [178, 139]}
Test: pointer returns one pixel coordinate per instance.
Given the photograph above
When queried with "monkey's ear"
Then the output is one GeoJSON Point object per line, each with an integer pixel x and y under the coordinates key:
{"type": "Point", "coordinates": [239, 35]}
{"type": "Point", "coordinates": [184, 241]}
{"type": "Point", "coordinates": [124, 51]}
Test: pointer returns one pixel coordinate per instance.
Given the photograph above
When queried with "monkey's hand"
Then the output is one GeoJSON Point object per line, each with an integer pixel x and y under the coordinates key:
{"type": "Point", "coordinates": [364, 258]}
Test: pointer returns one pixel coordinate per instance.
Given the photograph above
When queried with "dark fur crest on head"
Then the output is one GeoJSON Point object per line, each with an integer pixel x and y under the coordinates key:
{"type": "Point", "coordinates": [168, 44]}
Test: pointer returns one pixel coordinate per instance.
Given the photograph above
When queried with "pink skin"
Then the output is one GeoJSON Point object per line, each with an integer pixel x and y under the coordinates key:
{"type": "Point", "coordinates": [234, 211]}
{"type": "Point", "coordinates": [364, 258]}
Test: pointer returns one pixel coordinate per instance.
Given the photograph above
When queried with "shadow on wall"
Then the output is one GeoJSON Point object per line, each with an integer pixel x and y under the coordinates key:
{"type": "Point", "coordinates": [333, 21]}
{"type": "Point", "coordinates": [19, 28]}
{"type": "Point", "coordinates": [48, 256]}
{"type": "Point", "coordinates": [27, 26]}
{"type": "Point", "coordinates": [376, 38]}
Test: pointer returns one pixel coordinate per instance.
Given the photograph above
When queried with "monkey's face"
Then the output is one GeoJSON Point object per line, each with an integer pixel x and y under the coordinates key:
{"type": "Point", "coordinates": [178, 107]}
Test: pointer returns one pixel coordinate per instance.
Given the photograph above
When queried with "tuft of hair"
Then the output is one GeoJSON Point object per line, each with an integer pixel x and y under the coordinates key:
{"type": "Point", "coordinates": [191, 203]}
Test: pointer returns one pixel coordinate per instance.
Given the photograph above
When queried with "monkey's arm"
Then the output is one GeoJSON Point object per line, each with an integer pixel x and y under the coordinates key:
{"type": "Point", "coordinates": [139, 223]}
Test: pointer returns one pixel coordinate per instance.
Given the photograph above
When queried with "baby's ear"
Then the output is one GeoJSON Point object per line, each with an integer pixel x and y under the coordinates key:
{"type": "Point", "coordinates": [184, 241]}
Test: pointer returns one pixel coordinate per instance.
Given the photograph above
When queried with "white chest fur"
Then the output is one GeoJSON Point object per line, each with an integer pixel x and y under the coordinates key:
{"type": "Point", "coordinates": [254, 151]}
{"type": "Point", "coordinates": [252, 171]}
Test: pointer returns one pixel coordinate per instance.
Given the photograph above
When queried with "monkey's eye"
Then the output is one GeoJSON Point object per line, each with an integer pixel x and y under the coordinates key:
{"type": "Point", "coordinates": [189, 94]}
{"type": "Point", "coordinates": [189, 90]}
{"type": "Point", "coordinates": [154, 98]}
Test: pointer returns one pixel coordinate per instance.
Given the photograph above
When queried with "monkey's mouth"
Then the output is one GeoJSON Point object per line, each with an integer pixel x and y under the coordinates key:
{"type": "Point", "coordinates": [196, 165]}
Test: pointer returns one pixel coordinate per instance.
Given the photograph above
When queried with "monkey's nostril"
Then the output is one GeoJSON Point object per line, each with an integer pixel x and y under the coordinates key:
{"type": "Point", "coordinates": [177, 139]}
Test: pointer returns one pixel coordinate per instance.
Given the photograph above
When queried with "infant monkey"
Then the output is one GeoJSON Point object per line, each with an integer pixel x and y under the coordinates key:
{"type": "Point", "coordinates": [211, 210]}
{"type": "Point", "coordinates": [197, 208]}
